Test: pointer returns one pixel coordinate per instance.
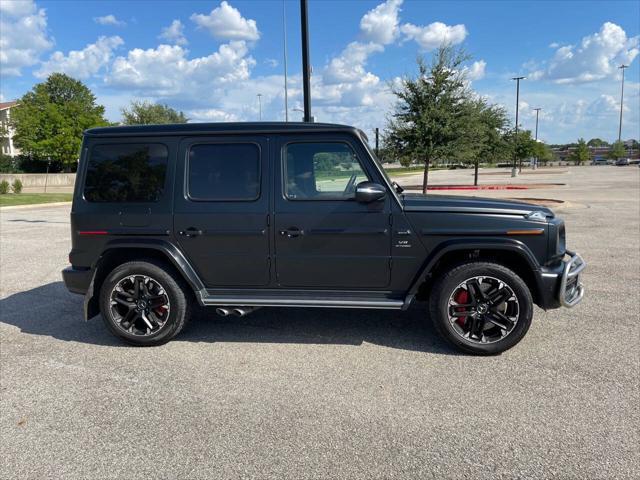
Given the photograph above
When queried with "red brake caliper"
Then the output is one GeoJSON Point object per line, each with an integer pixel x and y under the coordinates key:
{"type": "Point", "coordinates": [461, 297]}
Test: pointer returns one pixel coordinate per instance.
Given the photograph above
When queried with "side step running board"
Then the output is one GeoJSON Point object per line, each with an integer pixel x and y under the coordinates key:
{"type": "Point", "coordinates": [324, 302]}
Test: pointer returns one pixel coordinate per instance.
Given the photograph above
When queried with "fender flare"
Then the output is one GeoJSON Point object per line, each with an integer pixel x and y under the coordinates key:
{"type": "Point", "coordinates": [175, 256]}
{"type": "Point", "coordinates": [453, 245]}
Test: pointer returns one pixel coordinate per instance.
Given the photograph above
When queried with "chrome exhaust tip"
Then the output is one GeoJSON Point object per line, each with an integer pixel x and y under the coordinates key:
{"type": "Point", "coordinates": [223, 312]}
{"type": "Point", "coordinates": [242, 311]}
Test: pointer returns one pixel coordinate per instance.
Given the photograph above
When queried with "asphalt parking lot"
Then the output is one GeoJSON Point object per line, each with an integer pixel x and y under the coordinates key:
{"type": "Point", "coordinates": [306, 393]}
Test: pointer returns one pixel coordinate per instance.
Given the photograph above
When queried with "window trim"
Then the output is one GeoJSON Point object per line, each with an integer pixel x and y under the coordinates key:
{"type": "Point", "coordinates": [187, 164]}
{"type": "Point", "coordinates": [85, 171]}
{"type": "Point", "coordinates": [283, 164]}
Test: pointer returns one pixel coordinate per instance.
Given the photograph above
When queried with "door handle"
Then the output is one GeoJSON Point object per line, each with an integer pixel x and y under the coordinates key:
{"type": "Point", "coordinates": [190, 232]}
{"type": "Point", "coordinates": [291, 232]}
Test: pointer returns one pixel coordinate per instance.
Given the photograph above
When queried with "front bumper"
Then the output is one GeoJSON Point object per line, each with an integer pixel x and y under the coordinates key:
{"type": "Point", "coordinates": [571, 290]}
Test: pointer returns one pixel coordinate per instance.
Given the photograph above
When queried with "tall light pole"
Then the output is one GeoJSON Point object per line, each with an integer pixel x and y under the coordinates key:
{"type": "Point", "coordinates": [260, 106]}
{"type": "Point", "coordinates": [306, 68]}
{"type": "Point", "coordinates": [514, 170]}
{"type": "Point", "coordinates": [535, 162]}
{"type": "Point", "coordinates": [284, 36]}
{"type": "Point", "coordinates": [621, 67]}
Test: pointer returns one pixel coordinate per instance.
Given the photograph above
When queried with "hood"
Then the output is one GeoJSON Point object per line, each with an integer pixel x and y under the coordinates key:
{"type": "Point", "coordinates": [461, 204]}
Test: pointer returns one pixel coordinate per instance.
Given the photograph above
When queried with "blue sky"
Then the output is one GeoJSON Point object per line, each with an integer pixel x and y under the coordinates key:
{"type": "Point", "coordinates": [211, 58]}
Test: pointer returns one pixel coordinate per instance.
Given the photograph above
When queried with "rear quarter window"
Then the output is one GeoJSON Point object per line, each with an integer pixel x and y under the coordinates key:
{"type": "Point", "coordinates": [131, 172]}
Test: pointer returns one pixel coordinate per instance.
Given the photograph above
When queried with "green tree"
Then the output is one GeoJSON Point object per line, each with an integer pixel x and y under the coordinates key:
{"type": "Point", "coordinates": [49, 119]}
{"type": "Point", "coordinates": [618, 150]}
{"type": "Point", "coordinates": [521, 148]}
{"type": "Point", "coordinates": [581, 153]}
{"type": "Point", "coordinates": [481, 133]}
{"type": "Point", "coordinates": [147, 113]}
{"type": "Point", "coordinates": [543, 153]}
{"type": "Point", "coordinates": [597, 142]}
{"type": "Point", "coordinates": [427, 117]}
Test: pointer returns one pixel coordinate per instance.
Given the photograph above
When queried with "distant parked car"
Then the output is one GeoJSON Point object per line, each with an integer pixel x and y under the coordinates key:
{"type": "Point", "coordinates": [622, 162]}
{"type": "Point", "coordinates": [600, 161]}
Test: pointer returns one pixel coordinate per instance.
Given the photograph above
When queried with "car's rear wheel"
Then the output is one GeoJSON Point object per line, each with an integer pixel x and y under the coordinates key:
{"type": "Point", "coordinates": [482, 308]}
{"type": "Point", "coordinates": [143, 304]}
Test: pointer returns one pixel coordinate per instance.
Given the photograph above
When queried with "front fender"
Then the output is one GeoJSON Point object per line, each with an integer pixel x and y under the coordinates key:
{"type": "Point", "coordinates": [471, 244]}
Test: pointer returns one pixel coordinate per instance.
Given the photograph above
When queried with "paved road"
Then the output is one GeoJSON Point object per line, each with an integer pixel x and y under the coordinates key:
{"type": "Point", "coordinates": [325, 394]}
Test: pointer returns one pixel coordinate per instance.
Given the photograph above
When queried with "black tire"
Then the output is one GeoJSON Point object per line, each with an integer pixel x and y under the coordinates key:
{"type": "Point", "coordinates": [174, 288]}
{"type": "Point", "coordinates": [445, 287]}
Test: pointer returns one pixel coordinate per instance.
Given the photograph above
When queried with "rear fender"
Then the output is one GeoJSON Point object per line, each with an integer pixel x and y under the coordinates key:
{"type": "Point", "coordinates": [168, 251]}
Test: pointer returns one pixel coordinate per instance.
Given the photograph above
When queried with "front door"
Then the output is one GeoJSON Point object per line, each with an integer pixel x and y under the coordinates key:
{"type": "Point", "coordinates": [323, 237]}
{"type": "Point", "coordinates": [221, 209]}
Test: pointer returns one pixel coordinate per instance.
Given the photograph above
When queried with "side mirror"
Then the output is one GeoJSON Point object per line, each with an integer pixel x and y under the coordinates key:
{"type": "Point", "coordinates": [367, 192]}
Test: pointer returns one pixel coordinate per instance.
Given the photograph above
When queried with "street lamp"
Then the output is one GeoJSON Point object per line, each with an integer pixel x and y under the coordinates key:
{"type": "Point", "coordinates": [621, 67]}
{"type": "Point", "coordinates": [535, 162]}
{"type": "Point", "coordinates": [260, 106]}
{"type": "Point", "coordinates": [284, 36]}
{"type": "Point", "coordinates": [514, 170]}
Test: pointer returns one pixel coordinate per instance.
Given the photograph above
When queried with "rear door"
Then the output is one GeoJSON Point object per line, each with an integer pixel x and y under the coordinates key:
{"type": "Point", "coordinates": [323, 237]}
{"type": "Point", "coordinates": [221, 209]}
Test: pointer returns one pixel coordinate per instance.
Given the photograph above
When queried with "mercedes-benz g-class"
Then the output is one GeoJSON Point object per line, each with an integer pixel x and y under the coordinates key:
{"type": "Point", "coordinates": [240, 216]}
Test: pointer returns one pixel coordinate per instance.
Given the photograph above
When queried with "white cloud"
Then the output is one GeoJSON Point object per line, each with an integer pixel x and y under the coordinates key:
{"type": "Point", "coordinates": [174, 33]}
{"type": "Point", "coordinates": [17, 8]}
{"type": "Point", "coordinates": [272, 62]}
{"type": "Point", "coordinates": [225, 22]}
{"type": "Point", "coordinates": [476, 71]}
{"type": "Point", "coordinates": [166, 70]}
{"type": "Point", "coordinates": [605, 105]}
{"type": "Point", "coordinates": [81, 63]}
{"type": "Point", "coordinates": [596, 57]}
{"type": "Point", "coordinates": [109, 20]}
{"type": "Point", "coordinates": [380, 25]}
{"type": "Point", "coordinates": [349, 65]}
{"type": "Point", "coordinates": [211, 115]}
{"type": "Point", "coordinates": [23, 36]}
{"type": "Point", "coordinates": [435, 34]}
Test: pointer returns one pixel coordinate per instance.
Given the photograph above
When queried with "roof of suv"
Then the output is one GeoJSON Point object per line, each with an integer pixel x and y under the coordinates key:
{"type": "Point", "coordinates": [218, 128]}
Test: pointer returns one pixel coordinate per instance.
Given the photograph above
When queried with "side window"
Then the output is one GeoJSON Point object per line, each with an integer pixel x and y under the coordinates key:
{"type": "Point", "coordinates": [126, 172]}
{"type": "Point", "coordinates": [321, 171]}
{"type": "Point", "coordinates": [224, 171]}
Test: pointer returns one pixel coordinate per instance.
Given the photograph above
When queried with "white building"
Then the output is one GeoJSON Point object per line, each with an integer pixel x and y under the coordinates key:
{"type": "Point", "coordinates": [6, 140]}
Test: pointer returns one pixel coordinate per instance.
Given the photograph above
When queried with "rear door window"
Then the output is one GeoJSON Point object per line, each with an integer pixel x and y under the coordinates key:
{"type": "Point", "coordinates": [129, 172]}
{"type": "Point", "coordinates": [224, 171]}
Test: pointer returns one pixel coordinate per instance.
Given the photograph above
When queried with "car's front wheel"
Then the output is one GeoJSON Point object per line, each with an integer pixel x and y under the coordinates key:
{"type": "Point", "coordinates": [482, 308]}
{"type": "Point", "coordinates": [144, 304]}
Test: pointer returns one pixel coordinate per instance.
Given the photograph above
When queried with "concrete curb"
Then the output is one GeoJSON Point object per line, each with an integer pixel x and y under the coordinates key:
{"type": "Point", "coordinates": [33, 205]}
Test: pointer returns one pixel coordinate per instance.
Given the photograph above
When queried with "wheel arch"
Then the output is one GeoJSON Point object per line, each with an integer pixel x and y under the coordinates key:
{"type": "Point", "coordinates": [121, 251]}
{"type": "Point", "coordinates": [511, 254]}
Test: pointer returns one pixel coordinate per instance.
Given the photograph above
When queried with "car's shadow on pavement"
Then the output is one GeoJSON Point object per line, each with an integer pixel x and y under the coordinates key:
{"type": "Point", "coordinates": [51, 310]}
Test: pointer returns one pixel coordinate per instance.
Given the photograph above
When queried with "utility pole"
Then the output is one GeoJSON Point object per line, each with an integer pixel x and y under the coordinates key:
{"type": "Point", "coordinates": [535, 162]}
{"type": "Point", "coordinates": [306, 69]}
{"type": "Point", "coordinates": [284, 36]}
{"type": "Point", "coordinates": [621, 67]}
{"type": "Point", "coordinates": [260, 106]}
{"type": "Point", "coordinates": [377, 141]}
{"type": "Point", "coordinates": [514, 170]}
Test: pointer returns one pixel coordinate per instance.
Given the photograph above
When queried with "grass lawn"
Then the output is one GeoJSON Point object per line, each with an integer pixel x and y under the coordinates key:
{"type": "Point", "coordinates": [33, 198]}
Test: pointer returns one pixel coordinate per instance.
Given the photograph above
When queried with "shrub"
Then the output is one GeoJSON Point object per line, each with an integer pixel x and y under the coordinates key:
{"type": "Point", "coordinates": [16, 186]}
{"type": "Point", "coordinates": [4, 187]}
{"type": "Point", "coordinates": [7, 164]}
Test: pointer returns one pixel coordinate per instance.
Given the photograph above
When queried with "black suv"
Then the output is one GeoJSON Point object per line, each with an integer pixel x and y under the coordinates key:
{"type": "Point", "coordinates": [239, 216]}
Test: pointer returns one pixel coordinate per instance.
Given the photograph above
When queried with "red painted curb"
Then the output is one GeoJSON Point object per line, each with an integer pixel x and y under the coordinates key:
{"type": "Point", "coordinates": [478, 187]}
